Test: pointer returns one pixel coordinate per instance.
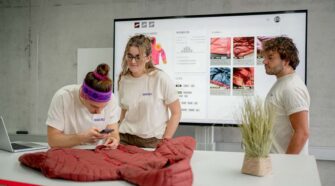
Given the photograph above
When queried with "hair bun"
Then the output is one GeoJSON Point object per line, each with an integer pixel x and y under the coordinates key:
{"type": "Point", "coordinates": [103, 69]}
{"type": "Point", "coordinates": [101, 72]}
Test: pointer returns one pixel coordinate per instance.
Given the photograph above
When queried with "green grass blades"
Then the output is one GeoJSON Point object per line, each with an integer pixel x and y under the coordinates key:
{"type": "Point", "coordinates": [256, 128]}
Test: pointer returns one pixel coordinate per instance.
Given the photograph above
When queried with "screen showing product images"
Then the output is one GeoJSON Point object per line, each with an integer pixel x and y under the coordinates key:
{"type": "Point", "coordinates": [214, 60]}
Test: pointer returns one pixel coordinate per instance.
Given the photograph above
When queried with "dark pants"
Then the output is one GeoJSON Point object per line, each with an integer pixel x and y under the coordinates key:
{"type": "Point", "coordinates": [129, 139]}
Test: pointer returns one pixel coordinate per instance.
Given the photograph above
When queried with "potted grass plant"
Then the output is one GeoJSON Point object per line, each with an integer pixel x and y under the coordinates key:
{"type": "Point", "coordinates": [256, 130]}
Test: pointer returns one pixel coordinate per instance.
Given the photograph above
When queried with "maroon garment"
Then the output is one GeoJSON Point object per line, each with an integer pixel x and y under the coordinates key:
{"type": "Point", "coordinates": [168, 164]}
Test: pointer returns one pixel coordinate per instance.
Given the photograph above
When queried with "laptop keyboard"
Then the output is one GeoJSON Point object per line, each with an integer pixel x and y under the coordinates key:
{"type": "Point", "coordinates": [19, 146]}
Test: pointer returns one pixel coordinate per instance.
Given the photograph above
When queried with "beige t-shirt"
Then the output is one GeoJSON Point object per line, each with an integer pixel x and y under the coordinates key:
{"type": "Point", "coordinates": [68, 114]}
{"type": "Point", "coordinates": [146, 98]}
{"type": "Point", "coordinates": [287, 96]}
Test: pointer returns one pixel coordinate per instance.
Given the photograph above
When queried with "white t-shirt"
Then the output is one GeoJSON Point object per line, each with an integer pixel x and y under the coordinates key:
{"type": "Point", "coordinates": [146, 98]}
{"type": "Point", "coordinates": [287, 96]}
{"type": "Point", "coordinates": [68, 114]}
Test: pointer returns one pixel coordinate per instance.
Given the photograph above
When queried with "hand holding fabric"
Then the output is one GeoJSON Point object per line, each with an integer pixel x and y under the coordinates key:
{"type": "Point", "coordinates": [112, 142]}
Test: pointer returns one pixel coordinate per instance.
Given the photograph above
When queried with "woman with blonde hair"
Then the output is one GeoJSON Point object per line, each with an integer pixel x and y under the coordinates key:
{"type": "Point", "coordinates": [146, 95]}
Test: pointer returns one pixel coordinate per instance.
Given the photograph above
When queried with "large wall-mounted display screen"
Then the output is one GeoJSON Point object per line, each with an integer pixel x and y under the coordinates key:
{"type": "Point", "coordinates": [214, 60]}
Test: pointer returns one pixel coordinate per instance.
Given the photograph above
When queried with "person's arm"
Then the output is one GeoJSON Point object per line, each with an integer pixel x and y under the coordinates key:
{"type": "Point", "coordinates": [113, 139]}
{"type": "Point", "coordinates": [173, 122]}
{"type": "Point", "coordinates": [299, 122]}
{"type": "Point", "coordinates": [57, 138]}
{"type": "Point", "coordinates": [122, 115]}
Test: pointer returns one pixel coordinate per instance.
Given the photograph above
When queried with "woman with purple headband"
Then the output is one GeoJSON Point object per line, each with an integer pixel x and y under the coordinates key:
{"type": "Point", "coordinates": [146, 95]}
{"type": "Point", "coordinates": [78, 113]}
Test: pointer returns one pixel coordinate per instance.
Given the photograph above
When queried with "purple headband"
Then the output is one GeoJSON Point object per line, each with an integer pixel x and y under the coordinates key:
{"type": "Point", "coordinates": [96, 95]}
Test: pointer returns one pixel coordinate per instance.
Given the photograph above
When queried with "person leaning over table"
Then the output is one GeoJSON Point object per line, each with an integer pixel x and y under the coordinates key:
{"type": "Point", "coordinates": [288, 96]}
{"type": "Point", "coordinates": [146, 95]}
{"type": "Point", "coordinates": [78, 112]}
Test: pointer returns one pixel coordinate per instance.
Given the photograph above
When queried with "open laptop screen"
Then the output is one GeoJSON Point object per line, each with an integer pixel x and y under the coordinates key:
{"type": "Point", "coordinates": [5, 143]}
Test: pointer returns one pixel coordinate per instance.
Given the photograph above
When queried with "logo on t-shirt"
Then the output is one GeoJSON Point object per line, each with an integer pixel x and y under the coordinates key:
{"type": "Point", "coordinates": [147, 94]}
{"type": "Point", "coordinates": [98, 117]}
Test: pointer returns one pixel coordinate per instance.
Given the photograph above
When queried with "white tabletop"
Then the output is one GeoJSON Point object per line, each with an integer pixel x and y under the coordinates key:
{"type": "Point", "coordinates": [209, 168]}
{"type": "Point", "coordinates": [224, 168]}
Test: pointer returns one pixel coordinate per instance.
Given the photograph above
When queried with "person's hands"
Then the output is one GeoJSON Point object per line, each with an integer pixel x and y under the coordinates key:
{"type": "Point", "coordinates": [111, 142]}
{"type": "Point", "coordinates": [92, 135]}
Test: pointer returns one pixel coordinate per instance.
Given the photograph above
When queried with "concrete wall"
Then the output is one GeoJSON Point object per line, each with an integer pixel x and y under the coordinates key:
{"type": "Point", "coordinates": [39, 40]}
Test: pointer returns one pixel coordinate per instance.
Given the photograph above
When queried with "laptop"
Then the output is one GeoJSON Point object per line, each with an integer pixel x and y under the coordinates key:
{"type": "Point", "coordinates": [6, 145]}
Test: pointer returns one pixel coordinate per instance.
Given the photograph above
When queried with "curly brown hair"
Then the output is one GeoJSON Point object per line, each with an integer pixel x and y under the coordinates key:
{"type": "Point", "coordinates": [285, 47]}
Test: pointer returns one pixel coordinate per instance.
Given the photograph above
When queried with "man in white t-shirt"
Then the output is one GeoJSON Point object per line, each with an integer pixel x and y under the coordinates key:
{"type": "Point", "coordinates": [79, 113]}
{"type": "Point", "coordinates": [288, 96]}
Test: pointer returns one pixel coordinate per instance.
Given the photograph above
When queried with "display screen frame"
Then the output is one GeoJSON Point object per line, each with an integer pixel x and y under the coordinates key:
{"type": "Point", "coordinates": [119, 50]}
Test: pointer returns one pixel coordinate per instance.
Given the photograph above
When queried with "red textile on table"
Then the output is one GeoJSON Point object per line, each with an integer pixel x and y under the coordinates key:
{"type": "Point", "coordinates": [168, 164]}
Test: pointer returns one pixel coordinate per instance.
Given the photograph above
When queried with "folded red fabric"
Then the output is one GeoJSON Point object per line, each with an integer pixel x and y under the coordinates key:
{"type": "Point", "coordinates": [168, 164]}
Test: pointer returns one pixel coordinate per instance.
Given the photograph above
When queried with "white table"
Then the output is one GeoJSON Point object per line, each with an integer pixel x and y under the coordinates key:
{"type": "Point", "coordinates": [209, 168]}
{"type": "Point", "coordinates": [224, 168]}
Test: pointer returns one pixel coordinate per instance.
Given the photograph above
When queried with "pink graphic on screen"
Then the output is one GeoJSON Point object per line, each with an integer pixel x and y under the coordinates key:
{"type": "Point", "coordinates": [243, 76]}
{"type": "Point", "coordinates": [220, 46]}
{"type": "Point", "coordinates": [243, 46]}
{"type": "Point", "coordinates": [157, 51]}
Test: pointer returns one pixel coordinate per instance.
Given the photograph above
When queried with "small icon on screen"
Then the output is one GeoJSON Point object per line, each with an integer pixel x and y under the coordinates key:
{"type": "Point", "coordinates": [151, 24]}
{"type": "Point", "coordinates": [137, 25]}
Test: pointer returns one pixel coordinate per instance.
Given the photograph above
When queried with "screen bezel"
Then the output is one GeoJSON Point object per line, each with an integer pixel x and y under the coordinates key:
{"type": "Point", "coordinates": [213, 15]}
